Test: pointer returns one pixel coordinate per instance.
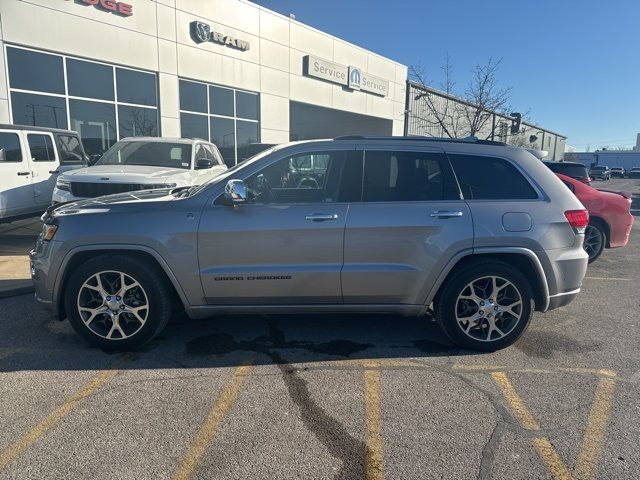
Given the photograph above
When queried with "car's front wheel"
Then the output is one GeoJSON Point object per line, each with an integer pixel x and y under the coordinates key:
{"type": "Point", "coordinates": [117, 302]}
{"type": "Point", "coordinates": [486, 306]}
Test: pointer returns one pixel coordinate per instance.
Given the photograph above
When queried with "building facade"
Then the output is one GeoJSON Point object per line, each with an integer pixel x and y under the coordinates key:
{"type": "Point", "coordinates": [225, 70]}
{"type": "Point", "coordinates": [431, 116]}
{"type": "Point", "coordinates": [626, 159]}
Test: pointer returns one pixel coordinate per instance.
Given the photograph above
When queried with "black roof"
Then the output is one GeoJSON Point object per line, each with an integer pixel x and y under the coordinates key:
{"type": "Point", "coordinates": [10, 126]}
{"type": "Point", "coordinates": [419, 138]}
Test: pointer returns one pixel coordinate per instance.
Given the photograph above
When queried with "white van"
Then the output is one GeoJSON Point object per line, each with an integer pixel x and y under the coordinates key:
{"type": "Point", "coordinates": [31, 158]}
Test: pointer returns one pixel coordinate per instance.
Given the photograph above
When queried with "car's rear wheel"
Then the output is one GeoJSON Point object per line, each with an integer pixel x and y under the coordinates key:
{"type": "Point", "coordinates": [117, 302]}
{"type": "Point", "coordinates": [485, 307]}
{"type": "Point", "coordinates": [594, 241]}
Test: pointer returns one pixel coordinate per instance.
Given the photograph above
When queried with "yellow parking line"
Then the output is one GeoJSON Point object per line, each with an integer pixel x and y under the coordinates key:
{"type": "Point", "coordinates": [209, 428]}
{"type": "Point", "coordinates": [97, 382]}
{"type": "Point", "coordinates": [543, 446]}
{"type": "Point", "coordinates": [589, 457]}
{"type": "Point", "coordinates": [374, 459]}
{"type": "Point", "coordinates": [515, 402]}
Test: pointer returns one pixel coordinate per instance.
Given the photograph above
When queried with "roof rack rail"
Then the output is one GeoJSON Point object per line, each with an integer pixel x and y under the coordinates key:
{"type": "Point", "coordinates": [420, 138]}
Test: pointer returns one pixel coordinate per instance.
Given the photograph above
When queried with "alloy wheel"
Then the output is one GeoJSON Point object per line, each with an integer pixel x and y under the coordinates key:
{"type": "Point", "coordinates": [113, 305]}
{"type": "Point", "coordinates": [593, 241]}
{"type": "Point", "coordinates": [488, 308]}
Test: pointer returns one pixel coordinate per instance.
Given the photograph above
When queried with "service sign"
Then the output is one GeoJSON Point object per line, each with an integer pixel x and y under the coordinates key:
{"type": "Point", "coordinates": [349, 76]}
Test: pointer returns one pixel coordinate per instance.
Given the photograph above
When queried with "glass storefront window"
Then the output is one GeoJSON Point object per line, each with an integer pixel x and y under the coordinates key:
{"type": "Point", "coordinates": [38, 110]}
{"type": "Point", "coordinates": [37, 71]}
{"type": "Point", "coordinates": [221, 101]}
{"type": "Point", "coordinates": [96, 124]}
{"type": "Point", "coordinates": [194, 126]}
{"type": "Point", "coordinates": [102, 107]}
{"type": "Point", "coordinates": [247, 105]}
{"type": "Point", "coordinates": [223, 135]}
{"type": "Point", "coordinates": [246, 132]}
{"type": "Point", "coordinates": [232, 116]}
{"type": "Point", "coordinates": [137, 121]}
{"type": "Point", "coordinates": [136, 87]}
{"type": "Point", "coordinates": [88, 79]}
{"type": "Point", "coordinates": [193, 96]}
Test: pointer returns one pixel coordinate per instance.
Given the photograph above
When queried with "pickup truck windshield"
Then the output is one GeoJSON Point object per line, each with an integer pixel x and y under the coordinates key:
{"type": "Point", "coordinates": [154, 154]}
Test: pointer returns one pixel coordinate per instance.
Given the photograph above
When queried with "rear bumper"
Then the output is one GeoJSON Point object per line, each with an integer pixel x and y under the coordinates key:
{"type": "Point", "coordinates": [565, 270]}
{"type": "Point", "coordinates": [619, 237]}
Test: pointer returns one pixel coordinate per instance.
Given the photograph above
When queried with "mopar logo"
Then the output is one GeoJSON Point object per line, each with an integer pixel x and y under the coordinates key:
{"type": "Point", "coordinates": [354, 78]}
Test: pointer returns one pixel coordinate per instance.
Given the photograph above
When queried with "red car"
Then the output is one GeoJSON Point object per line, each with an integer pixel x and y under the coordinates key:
{"type": "Point", "coordinates": [610, 218]}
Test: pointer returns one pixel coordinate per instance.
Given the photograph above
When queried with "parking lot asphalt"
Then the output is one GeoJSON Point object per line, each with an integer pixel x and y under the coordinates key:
{"type": "Point", "coordinates": [332, 396]}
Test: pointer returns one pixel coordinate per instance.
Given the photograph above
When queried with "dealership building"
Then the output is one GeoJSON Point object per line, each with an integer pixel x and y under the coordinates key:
{"type": "Point", "coordinates": [227, 70]}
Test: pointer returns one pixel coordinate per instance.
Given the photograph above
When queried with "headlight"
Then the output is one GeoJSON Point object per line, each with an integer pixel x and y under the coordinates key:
{"type": "Point", "coordinates": [62, 184]}
{"type": "Point", "coordinates": [48, 231]}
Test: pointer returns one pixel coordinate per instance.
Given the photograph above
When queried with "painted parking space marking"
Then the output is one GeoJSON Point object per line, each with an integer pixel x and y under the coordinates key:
{"type": "Point", "coordinates": [588, 459]}
{"type": "Point", "coordinates": [201, 442]}
{"type": "Point", "coordinates": [374, 458]}
{"type": "Point", "coordinates": [50, 421]}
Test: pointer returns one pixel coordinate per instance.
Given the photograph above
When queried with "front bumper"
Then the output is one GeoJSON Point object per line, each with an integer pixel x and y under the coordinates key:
{"type": "Point", "coordinates": [44, 261]}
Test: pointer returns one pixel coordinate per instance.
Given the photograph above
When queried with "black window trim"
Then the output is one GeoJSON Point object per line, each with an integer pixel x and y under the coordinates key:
{"type": "Point", "coordinates": [21, 152]}
{"type": "Point", "coordinates": [48, 135]}
{"type": "Point", "coordinates": [534, 185]}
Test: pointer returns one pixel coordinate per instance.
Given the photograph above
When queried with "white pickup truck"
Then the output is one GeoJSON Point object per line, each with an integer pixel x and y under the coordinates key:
{"type": "Point", "coordinates": [142, 163]}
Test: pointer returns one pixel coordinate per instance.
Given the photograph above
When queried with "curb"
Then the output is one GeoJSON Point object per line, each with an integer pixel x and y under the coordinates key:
{"type": "Point", "coordinates": [17, 291]}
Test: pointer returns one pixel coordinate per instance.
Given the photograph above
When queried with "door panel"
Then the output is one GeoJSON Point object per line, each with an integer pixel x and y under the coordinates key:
{"type": "Point", "coordinates": [285, 246]}
{"type": "Point", "coordinates": [393, 252]}
{"type": "Point", "coordinates": [410, 225]}
{"type": "Point", "coordinates": [16, 191]}
{"type": "Point", "coordinates": [270, 254]}
{"type": "Point", "coordinates": [44, 162]}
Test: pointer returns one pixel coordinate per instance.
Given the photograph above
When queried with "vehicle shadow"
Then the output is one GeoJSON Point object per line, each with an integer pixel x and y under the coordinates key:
{"type": "Point", "coordinates": [229, 341]}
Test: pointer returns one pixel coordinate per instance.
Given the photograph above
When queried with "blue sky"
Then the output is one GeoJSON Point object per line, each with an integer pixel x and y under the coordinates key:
{"type": "Point", "coordinates": [573, 63]}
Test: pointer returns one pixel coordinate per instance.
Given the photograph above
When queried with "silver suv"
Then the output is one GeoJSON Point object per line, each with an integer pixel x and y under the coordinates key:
{"type": "Point", "coordinates": [478, 232]}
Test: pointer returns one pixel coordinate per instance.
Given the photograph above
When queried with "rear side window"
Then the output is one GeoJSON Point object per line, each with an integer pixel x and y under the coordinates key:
{"type": "Point", "coordinates": [41, 148]}
{"type": "Point", "coordinates": [490, 178]}
{"type": "Point", "coordinates": [70, 149]}
{"type": "Point", "coordinates": [10, 148]}
{"type": "Point", "coordinates": [392, 176]}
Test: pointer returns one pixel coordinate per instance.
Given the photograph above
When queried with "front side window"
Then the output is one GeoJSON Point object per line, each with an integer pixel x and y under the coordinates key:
{"type": "Point", "coordinates": [391, 176]}
{"type": "Point", "coordinates": [322, 177]}
{"type": "Point", "coordinates": [490, 178]}
{"type": "Point", "coordinates": [10, 148]}
{"type": "Point", "coordinates": [155, 154]}
{"type": "Point", "coordinates": [41, 148]}
{"type": "Point", "coordinates": [70, 150]}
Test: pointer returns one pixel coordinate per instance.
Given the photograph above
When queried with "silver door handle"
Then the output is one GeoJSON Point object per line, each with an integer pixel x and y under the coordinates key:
{"type": "Point", "coordinates": [445, 214]}
{"type": "Point", "coordinates": [321, 217]}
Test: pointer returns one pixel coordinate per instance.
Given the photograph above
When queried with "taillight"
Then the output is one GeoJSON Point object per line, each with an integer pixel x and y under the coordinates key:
{"type": "Point", "coordinates": [577, 218]}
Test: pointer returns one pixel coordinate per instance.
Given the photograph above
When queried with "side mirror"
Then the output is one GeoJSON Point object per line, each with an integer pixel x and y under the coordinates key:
{"type": "Point", "coordinates": [93, 159]}
{"type": "Point", "coordinates": [203, 164]}
{"type": "Point", "coordinates": [235, 192]}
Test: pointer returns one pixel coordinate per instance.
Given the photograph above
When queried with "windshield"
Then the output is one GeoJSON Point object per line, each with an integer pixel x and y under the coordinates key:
{"type": "Point", "coordinates": [153, 154]}
{"type": "Point", "coordinates": [598, 168]}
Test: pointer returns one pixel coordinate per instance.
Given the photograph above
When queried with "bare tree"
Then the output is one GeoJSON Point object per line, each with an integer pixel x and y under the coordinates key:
{"type": "Point", "coordinates": [473, 115]}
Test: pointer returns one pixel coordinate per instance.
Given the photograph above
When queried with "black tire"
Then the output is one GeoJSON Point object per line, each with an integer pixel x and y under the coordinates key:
{"type": "Point", "coordinates": [595, 239]}
{"type": "Point", "coordinates": [446, 305]}
{"type": "Point", "coordinates": [153, 289]}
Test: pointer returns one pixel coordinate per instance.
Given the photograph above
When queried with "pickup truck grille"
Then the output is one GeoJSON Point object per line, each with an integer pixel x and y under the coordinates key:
{"type": "Point", "coordinates": [91, 190]}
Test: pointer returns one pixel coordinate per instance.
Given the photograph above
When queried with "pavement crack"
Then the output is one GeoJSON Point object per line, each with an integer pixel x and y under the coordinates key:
{"type": "Point", "coordinates": [329, 431]}
{"type": "Point", "coordinates": [489, 451]}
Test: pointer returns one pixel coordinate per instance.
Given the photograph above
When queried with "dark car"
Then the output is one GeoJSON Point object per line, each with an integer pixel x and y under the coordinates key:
{"type": "Point", "coordinates": [618, 172]}
{"type": "Point", "coordinates": [571, 169]}
{"type": "Point", "coordinates": [601, 172]}
{"type": "Point", "coordinates": [634, 172]}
